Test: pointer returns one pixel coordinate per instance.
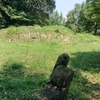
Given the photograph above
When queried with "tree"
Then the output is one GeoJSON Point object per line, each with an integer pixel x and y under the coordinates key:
{"type": "Point", "coordinates": [26, 11]}
{"type": "Point", "coordinates": [83, 16]}
{"type": "Point", "coordinates": [56, 18]}
{"type": "Point", "coordinates": [92, 13]}
{"type": "Point", "coordinates": [40, 9]}
{"type": "Point", "coordinates": [84, 23]}
{"type": "Point", "coordinates": [93, 10]}
{"type": "Point", "coordinates": [73, 17]}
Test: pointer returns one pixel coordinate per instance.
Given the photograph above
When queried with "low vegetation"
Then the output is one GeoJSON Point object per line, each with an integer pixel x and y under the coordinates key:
{"type": "Point", "coordinates": [28, 55]}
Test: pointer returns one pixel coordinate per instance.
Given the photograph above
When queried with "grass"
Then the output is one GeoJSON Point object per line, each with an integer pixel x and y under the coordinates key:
{"type": "Point", "coordinates": [28, 55]}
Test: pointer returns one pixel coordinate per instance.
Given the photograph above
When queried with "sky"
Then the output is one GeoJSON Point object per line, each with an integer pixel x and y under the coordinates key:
{"type": "Point", "coordinates": [65, 6]}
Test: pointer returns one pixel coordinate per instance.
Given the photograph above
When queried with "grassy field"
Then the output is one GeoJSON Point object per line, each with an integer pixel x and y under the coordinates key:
{"type": "Point", "coordinates": [28, 55]}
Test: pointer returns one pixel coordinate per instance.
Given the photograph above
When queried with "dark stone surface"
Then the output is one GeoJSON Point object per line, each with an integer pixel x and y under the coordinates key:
{"type": "Point", "coordinates": [61, 76]}
{"type": "Point", "coordinates": [50, 92]}
{"type": "Point", "coordinates": [60, 79]}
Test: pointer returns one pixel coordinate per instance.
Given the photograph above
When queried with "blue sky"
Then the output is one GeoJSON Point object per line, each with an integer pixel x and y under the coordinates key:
{"type": "Point", "coordinates": [65, 6]}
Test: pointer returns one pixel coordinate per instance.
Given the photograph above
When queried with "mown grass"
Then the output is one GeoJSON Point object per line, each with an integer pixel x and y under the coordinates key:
{"type": "Point", "coordinates": [28, 55]}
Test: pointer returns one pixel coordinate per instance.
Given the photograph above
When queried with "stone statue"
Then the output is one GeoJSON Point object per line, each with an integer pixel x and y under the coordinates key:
{"type": "Point", "coordinates": [60, 79]}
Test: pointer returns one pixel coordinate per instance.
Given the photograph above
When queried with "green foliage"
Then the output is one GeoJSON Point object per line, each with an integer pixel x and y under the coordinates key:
{"type": "Point", "coordinates": [83, 16]}
{"type": "Point", "coordinates": [25, 12]}
{"type": "Point", "coordinates": [2, 21]}
{"type": "Point", "coordinates": [93, 11]}
{"type": "Point", "coordinates": [25, 66]}
{"type": "Point", "coordinates": [56, 19]}
{"type": "Point", "coordinates": [73, 18]}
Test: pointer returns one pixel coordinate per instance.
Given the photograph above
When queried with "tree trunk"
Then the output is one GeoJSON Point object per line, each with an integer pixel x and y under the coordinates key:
{"type": "Point", "coordinates": [95, 29]}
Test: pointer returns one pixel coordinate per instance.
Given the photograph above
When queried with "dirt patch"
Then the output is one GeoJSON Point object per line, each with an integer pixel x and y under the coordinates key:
{"type": "Point", "coordinates": [46, 37]}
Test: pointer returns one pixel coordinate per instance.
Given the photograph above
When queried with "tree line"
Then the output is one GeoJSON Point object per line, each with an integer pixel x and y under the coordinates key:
{"type": "Point", "coordinates": [25, 12]}
{"type": "Point", "coordinates": [85, 17]}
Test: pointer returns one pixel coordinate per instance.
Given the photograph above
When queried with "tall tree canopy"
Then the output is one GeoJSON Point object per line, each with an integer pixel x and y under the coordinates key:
{"type": "Point", "coordinates": [83, 16]}
{"type": "Point", "coordinates": [73, 18]}
{"type": "Point", "coordinates": [56, 18]}
{"type": "Point", "coordinates": [93, 10]}
{"type": "Point", "coordinates": [25, 11]}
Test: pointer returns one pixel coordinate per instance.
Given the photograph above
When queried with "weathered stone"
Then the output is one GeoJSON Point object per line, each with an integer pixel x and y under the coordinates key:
{"type": "Point", "coordinates": [61, 76]}
{"type": "Point", "coordinates": [60, 79]}
{"type": "Point", "coordinates": [50, 92]}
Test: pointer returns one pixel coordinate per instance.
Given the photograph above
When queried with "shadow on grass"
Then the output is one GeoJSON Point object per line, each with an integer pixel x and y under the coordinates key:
{"type": "Point", "coordinates": [81, 88]}
{"type": "Point", "coordinates": [15, 85]}
{"type": "Point", "coordinates": [87, 61]}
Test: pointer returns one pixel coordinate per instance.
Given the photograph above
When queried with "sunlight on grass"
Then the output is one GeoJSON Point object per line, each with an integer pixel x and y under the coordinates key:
{"type": "Point", "coordinates": [26, 64]}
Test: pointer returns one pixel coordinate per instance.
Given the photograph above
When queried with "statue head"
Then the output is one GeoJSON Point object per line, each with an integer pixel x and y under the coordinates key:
{"type": "Point", "coordinates": [63, 59]}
